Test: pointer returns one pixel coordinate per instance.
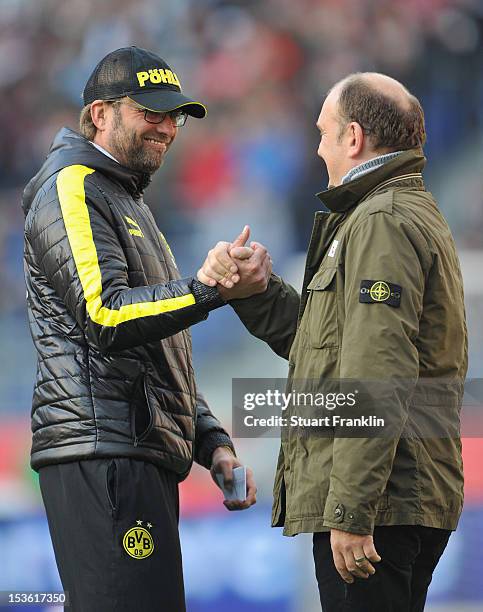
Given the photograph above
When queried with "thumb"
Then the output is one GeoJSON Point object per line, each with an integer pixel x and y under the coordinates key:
{"type": "Point", "coordinates": [240, 252]}
{"type": "Point", "coordinates": [227, 471]}
{"type": "Point", "coordinates": [242, 238]}
{"type": "Point", "coordinates": [371, 552]}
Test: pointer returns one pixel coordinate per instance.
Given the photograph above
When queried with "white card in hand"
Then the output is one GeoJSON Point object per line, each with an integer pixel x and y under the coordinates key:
{"type": "Point", "coordinates": [239, 491]}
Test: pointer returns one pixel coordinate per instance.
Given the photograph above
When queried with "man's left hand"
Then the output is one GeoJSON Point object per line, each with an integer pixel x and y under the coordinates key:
{"type": "Point", "coordinates": [353, 554]}
{"type": "Point", "coordinates": [224, 462]}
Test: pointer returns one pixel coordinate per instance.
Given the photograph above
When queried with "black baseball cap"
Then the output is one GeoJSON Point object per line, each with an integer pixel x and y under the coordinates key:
{"type": "Point", "coordinates": [142, 76]}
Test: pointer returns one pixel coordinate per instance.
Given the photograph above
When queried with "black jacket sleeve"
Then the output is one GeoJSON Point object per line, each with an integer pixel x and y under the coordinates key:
{"type": "Point", "coordinates": [209, 433]}
{"type": "Point", "coordinates": [81, 256]}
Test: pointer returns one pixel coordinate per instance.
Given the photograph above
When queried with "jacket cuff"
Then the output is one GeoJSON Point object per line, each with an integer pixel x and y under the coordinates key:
{"type": "Point", "coordinates": [209, 443]}
{"type": "Point", "coordinates": [251, 303]}
{"type": "Point", "coordinates": [348, 518]}
{"type": "Point", "coordinates": [208, 298]}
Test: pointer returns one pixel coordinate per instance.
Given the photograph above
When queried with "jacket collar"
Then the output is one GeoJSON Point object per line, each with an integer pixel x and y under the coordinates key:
{"type": "Point", "coordinates": [406, 166]}
{"type": "Point", "coordinates": [70, 148]}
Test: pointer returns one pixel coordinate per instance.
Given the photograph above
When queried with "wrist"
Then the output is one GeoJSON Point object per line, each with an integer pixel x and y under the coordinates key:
{"type": "Point", "coordinates": [209, 443]}
{"type": "Point", "coordinates": [205, 296]}
{"type": "Point", "coordinates": [223, 448]}
{"type": "Point", "coordinates": [223, 292]}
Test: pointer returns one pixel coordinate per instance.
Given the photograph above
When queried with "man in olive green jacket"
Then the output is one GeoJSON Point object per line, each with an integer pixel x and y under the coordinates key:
{"type": "Point", "coordinates": [382, 301]}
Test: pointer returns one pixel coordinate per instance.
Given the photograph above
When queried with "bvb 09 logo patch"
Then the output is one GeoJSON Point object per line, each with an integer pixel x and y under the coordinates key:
{"type": "Point", "coordinates": [138, 542]}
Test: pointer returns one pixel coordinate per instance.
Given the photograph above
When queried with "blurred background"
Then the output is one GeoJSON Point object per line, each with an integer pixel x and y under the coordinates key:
{"type": "Point", "coordinates": [262, 68]}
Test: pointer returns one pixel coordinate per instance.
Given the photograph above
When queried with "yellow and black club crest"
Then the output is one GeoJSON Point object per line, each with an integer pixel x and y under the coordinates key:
{"type": "Point", "coordinates": [138, 541]}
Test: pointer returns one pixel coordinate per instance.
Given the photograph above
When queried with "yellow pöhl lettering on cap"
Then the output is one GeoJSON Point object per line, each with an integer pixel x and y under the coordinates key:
{"type": "Point", "coordinates": [142, 78]}
{"type": "Point", "coordinates": [154, 76]}
{"type": "Point", "coordinates": [172, 78]}
{"type": "Point", "coordinates": [157, 75]}
{"type": "Point", "coordinates": [163, 75]}
{"type": "Point", "coordinates": [176, 80]}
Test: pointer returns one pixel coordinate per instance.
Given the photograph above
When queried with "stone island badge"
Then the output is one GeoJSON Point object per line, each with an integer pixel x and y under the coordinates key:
{"type": "Point", "coordinates": [138, 541]}
{"type": "Point", "coordinates": [380, 292]}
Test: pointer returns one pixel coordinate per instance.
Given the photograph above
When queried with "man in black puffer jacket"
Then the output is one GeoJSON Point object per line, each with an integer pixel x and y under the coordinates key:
{"type": "Point", "coordinates": [116, 416]}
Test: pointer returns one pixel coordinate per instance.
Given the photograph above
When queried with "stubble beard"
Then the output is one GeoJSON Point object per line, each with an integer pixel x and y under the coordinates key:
{"type": "Point", "coordinates": [131, 150]}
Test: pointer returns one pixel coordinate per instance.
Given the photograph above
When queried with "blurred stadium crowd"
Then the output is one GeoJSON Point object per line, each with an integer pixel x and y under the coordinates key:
{"type": "Point", "coordinates": [262, 68]}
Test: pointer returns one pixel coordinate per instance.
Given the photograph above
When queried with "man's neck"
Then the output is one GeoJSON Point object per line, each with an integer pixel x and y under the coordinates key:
{"type": "Point", "coordinates": [102, 150]}
{"type": "Point", "coordinates": [368, 166]}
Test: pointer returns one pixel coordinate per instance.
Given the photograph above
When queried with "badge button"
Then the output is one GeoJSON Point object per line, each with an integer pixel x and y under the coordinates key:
{"type": "Point", "coordinates": [339, 513]}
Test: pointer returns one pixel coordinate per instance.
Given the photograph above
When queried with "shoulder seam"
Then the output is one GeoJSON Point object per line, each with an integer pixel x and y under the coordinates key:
{"type": "Point", "coordinates": [402, 219]}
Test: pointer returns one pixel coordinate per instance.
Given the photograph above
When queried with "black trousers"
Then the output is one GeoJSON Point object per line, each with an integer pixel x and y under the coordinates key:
{"type": "Point", "coordinates": [114, 528]}
{"type": "Point", "coordinates": [409, 554]}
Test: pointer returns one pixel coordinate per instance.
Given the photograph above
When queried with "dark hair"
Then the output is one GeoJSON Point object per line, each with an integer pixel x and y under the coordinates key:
{"type": "Point", "coordinates": [388, 125]}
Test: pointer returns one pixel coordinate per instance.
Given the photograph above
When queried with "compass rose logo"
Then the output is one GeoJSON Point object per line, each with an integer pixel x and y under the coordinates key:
{"type": "Point", "coordinates": [380, 291]}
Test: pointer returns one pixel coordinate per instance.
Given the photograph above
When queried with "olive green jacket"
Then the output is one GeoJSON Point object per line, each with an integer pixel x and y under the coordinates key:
{"type": "Point", "coordinates": [382, 300]}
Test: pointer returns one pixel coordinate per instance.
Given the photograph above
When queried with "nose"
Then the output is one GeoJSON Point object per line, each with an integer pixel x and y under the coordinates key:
{"type": "Point", "coordinates": [167, 127]}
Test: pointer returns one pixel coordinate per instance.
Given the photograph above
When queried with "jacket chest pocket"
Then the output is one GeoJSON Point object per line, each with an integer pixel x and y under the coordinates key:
{"type": "Point", "coordinates": [319, 321]}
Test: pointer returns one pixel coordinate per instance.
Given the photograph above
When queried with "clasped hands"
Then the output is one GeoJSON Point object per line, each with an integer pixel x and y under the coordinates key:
{"type": "Point", "coordinates": [238, 271]}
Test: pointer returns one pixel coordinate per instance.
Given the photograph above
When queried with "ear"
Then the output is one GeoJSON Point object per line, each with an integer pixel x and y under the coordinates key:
{"type": "Point", "coordinates": [355, 139]}
{"type": "Point", "coordinates": [98, 114]}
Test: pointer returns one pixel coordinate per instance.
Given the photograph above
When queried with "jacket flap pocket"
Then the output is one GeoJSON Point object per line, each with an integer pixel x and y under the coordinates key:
{"type": "Point", "coordinates": [322, 279]}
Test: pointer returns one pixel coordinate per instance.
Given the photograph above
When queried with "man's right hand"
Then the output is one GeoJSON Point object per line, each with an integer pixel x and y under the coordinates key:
{"type": "Point", "coordinates": [240, 271]}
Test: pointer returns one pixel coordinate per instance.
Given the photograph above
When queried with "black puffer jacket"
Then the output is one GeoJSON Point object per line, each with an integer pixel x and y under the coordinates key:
{"type": "Point", "coordinates": [109, 317]}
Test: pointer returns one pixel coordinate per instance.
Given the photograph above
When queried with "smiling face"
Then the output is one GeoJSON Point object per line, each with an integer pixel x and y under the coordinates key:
{"type": "Point", "coordinates": [135, 143]}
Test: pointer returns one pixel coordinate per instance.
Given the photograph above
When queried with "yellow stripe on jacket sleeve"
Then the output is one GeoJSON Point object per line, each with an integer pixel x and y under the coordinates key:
{"type": "Point", "coordinates": [71, 192]}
